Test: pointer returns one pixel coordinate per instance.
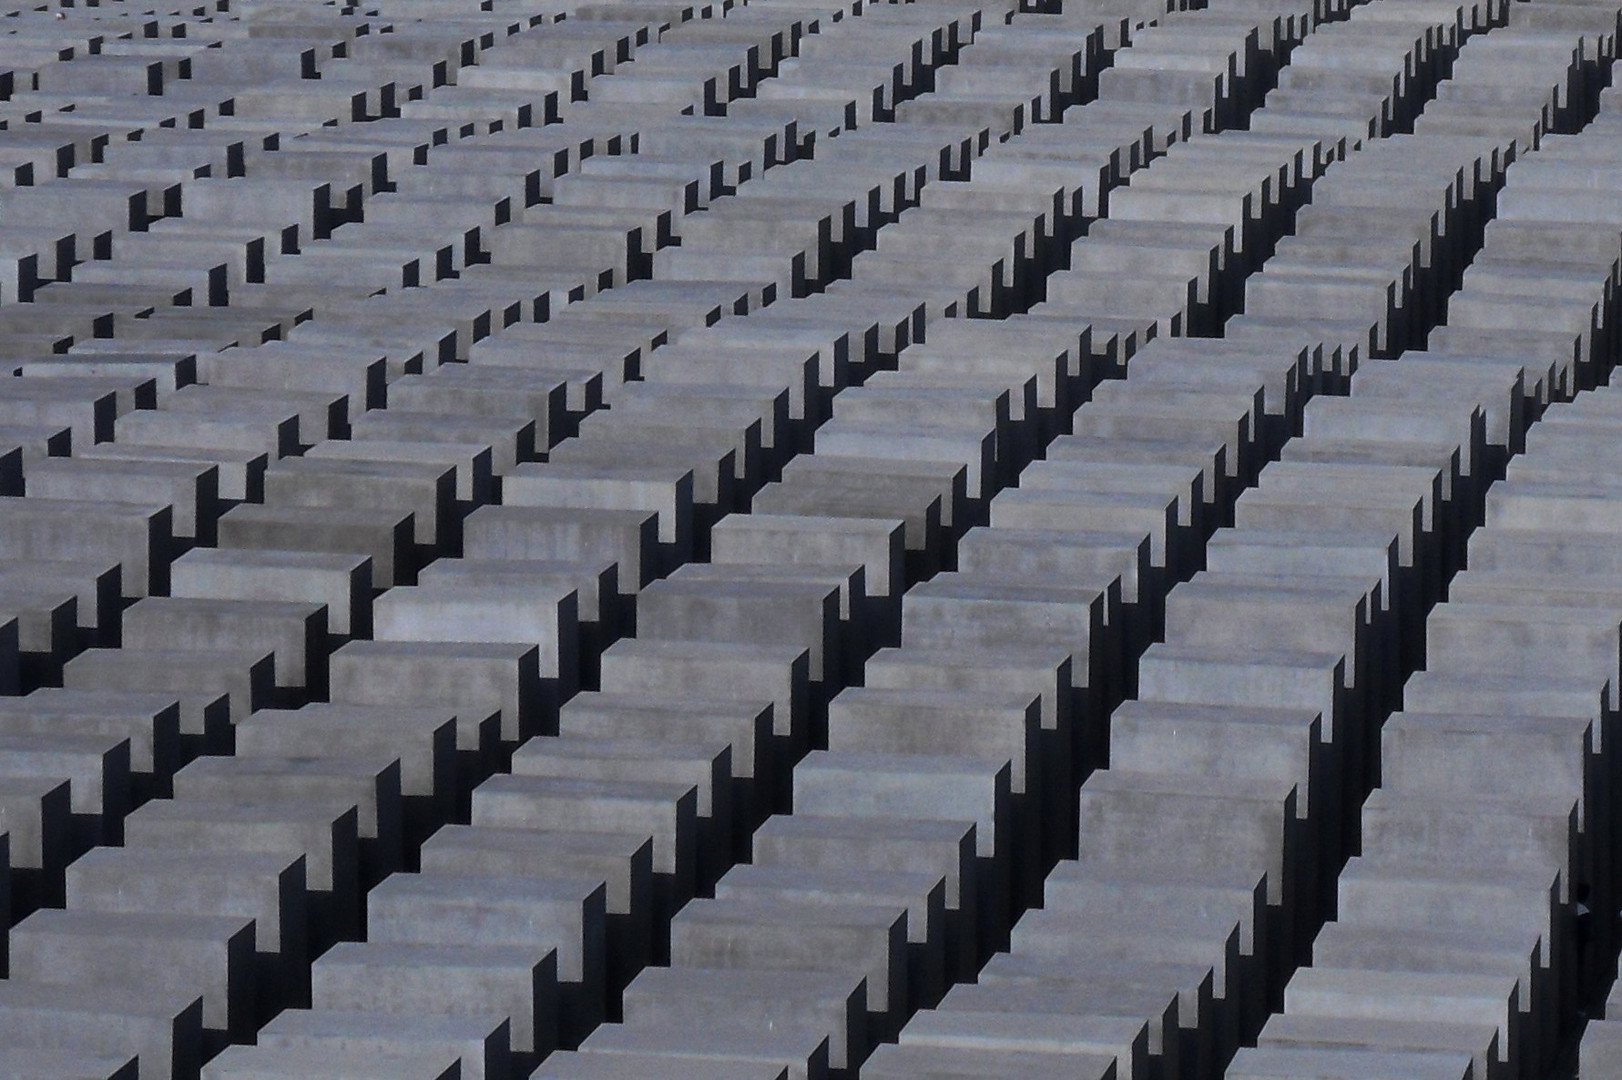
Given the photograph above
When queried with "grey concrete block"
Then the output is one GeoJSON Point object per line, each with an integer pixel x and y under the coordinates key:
{"type": "Point", "coordinates": [561, 916]}
{"type": "Point", "coordinates": [427, 489]}
{"type": "Point", "coordinates": [1123, 1039]}
{"type": "Point", "coordinates": [327, 1063]}
{"type": "Point", "coordinates": [383, 537]}
{"type": "Point", "coordinates": [486, 982]}
{"type": "Point", "coordinates": [627, 537]}
{"type": "Point", "coordinates": [42, 1064]}
{"type": "Point", "coordinates": [137, 537]}
{"type": "Point", "coordinates": [622, 861]}
{"type": "Point", "coordinates": [1291, 1061]}
{"type": "Point", "coordinates": [480, 1046]}
{"type": "Point", "coordinates": [207, 954]}
{"type": "Point", "coordinates": [163, 1029]}
{"type": "Point", "coordinates": [804, 1054]}
{"type": "Point", "coordinates": [753, 1000]}
{"type": "Point", "coordinates": [665, 810]}
{"type": "Point", "coordinates": [340, 584]}
{"type": "Point", "coordinates": [477, 680]}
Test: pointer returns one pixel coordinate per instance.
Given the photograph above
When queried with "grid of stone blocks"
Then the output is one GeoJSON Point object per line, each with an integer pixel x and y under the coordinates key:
{"type": "Point", "coordinates": [817, 539]}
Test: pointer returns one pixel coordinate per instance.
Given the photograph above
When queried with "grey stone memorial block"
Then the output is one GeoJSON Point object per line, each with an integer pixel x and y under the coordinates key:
{"type": "Point", "coordinates": [560, 915]}
{"type": "Point", "coordinates": [426, 488]}
{"type": "Point", "coordinates": [706, 765]}
{"type": "Point", "coordinates": [96, 766]}
{"type": "Point", "coordinates": [62, 1064]}
{"type": "Point", "coordinates": [759, 674]}
{"type": "Point", "coordinates": [382, 536]}
{"type": "Point", "coordinates": [755, 999]}
{"type": "Point", "coordinates": [370, 785]}
{"type": "Point", "coordinates": [39, 820]}
{"type": "Point", "coordinates": [164, 1030]}
{"type": "Point", "coordinates": [191, 488]}
{"type": "Point", "coordinates": [732, 608]}
{"type": "Point", "coordinates": [1599, 1049]}
{"type": "Point", "coordinates": [592, 1064]}
{"type": "Point", "coordinates": [622, 861]}
{"type": "Point", "coordinates": [151, 723]}
{"type": "Point", "coordinates": [479, 1045]}
{"type": "Point", "coordinates": [1273, 1061]}
{"type": "Point", "coordinates": [137, 537]}
{"type": "Point", "coordinates": [628, 537]}
{"type": "Point", "coordinates": [903, 1062]}
{"type": "Point", "coordinates": [922, 894]}
{"type": "Point", "coordinates": [457, 611]}
{"type": "Point", "coordinates": [756, 760]}
{"type": "Point", "coordinates": [804, 1051]}
{"type": "Point", "coordinates": [667, 490]}
{"type": "Point", "coordinates": [491, 983]}
{"type": "Point", "coordinates": [294, 633]}
{"type": "Point", "coordinates": [325, 836]}
{"type": "Point", "coordinates": [477, 680]}
{"type": "Point", "coordinates": [422, 740]}
{"type": "Point", "coordinates": [214, 687]}
{"type": "Point", "coordinates": [341, 584]}
{"type": "Point", "coordinates": [1124, 1039]}
{"type": "Point", "coordinates": [665, 810]}
{"type": "Point", "coordinates": [1148, 991]}
{"type": "Point", "coordinates": [159, 953]}
{"type": "Point", "coordinates": [1481, 1041]}
{"type": "Point", "coordinates": [329, 1063]}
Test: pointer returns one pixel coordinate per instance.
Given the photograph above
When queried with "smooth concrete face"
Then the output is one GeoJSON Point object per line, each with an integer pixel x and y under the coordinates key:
{"type": "Point", "coordinates": [1395, 1034]}
{"type": "Point", "coordinates": [592, 1064]}
{"type": "Point", "coordinates": [268, 888]}
{"type": "Point", "coordinates": [341, 584]}
{"type": "Point", "coordinates": [756, 674]}
{"type": "Point", "coordinates": [443, 980]}
{"type": "Point", "coordinates": [628, 537]}
{"type": "Point", "coordinates": [1291, 1061]}
{"type": "Point", "coordinates": [481, 1047]}
{"type": "Point", "coordinates": [896, 1062]}
{"type": "Point", "coordinates": [1189, 923]}
{"type": "Point", "coordinates": [293, 632]}
{"type": "Point", "coordinates": [520, 913]}
{"type": "Point", "coordinates": [120, 949]}
{"type": "Point", "coordinates": [212, 686]}
{"type": "Point", "coordinates": [476, 680]}
{"type": "Point", "coordinates": [1384, 995]}
{"type": "Point", "coordinates": [755, 932]}
{"type": "Point", "coordinates": [758, 999]}
{"type": "Point", "coordinates": [191, 488]}
{"type": "Point", "coordinates": [708, 767]}
{"type": "Point", "coordinates": [1121, 1039]}
{"type": "Point", "coordinates": [968, 790]}
{"type": "Point", "coordinates": [601, 806]}
{"type": "Point", "coordinates": [803, 615]}
{"type": "Point", "coordinates": [1244, 822]}
{"type": "Point", "coordinates": [797, 1053]}
{"type": "Point", "coordinates": [746, 728]}
{"type": "Point", "coordinates": [41, 1064]}
{"type": "Point", "coordinates": [382, 536]}
{"type": "Point", "coordinates": [426, 488]}
{"type": "Point", "coordinates": [151, 723]}
{"type": "Point", "coordinates": [104, 1020]}
{"type": "Point", "coordinates": [137, 538]}
{"type": "Point", "coordinates": [485, 613]}
{"type": "Point", "coordinates": [325, 836]}
{"type": "Point", "coordinates": [1026, 993]}
{"type": "Point", "coordinates": [669, 491]}
{"type": "Point", "coordinates": [273, 1063]}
